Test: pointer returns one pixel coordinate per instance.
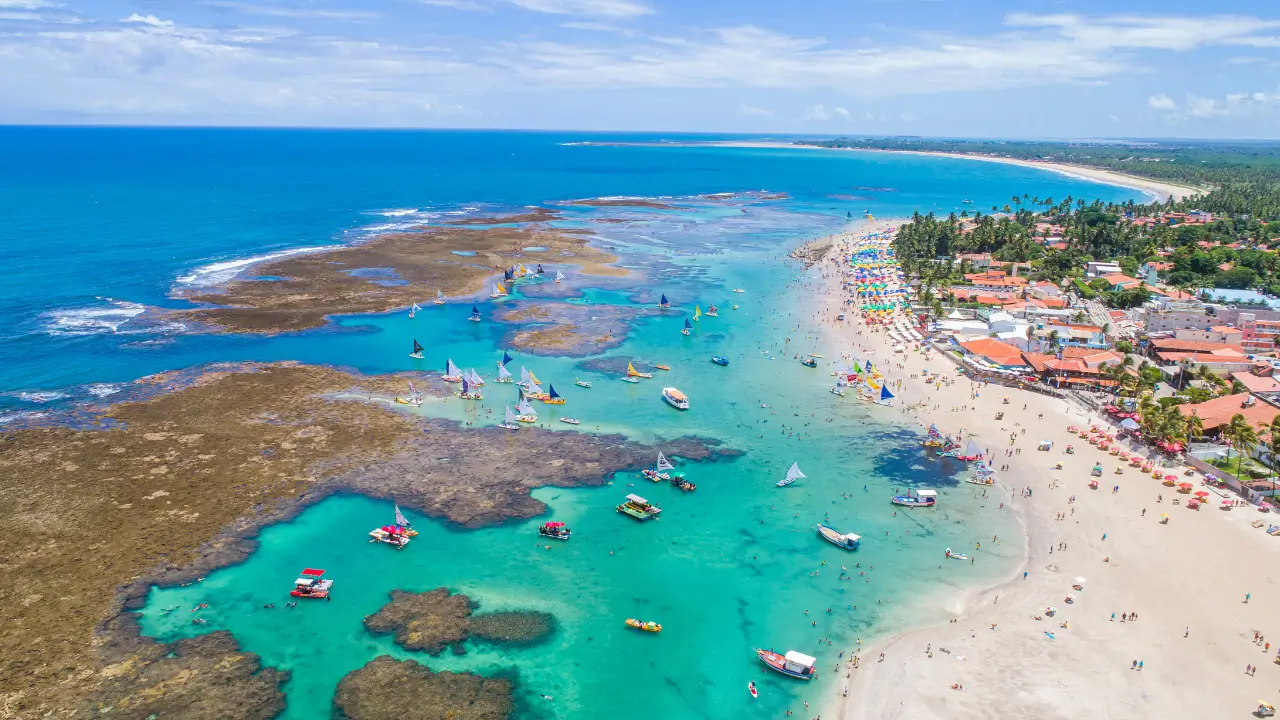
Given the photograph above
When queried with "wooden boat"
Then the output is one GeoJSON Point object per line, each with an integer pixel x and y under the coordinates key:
{"type": "Point", "coordinates": [916, 498]}
{"type": "Point", "coordinates": [630, 379]}
{"type": "Point", "coordinates": [452, 373]}
{"type": "Point", "coordinates": [555, 531]}
{"type": "Point", "coordinates": [475, 314]}
{"type": "Point", "coordinates": [688, 327]}
{"type": "Point", "coordinates": [650, 626]}
{"type": "Point", "coordinates": [713, 311]}
{"type": "Point", "coordinates": [639, 508]}
{"type": "Point", "coordinates": [504, 375]}
{"type": "Point", "coordinates": [311, 584]}
{"type": "Point", "coordinates": [553, 397]}
{"type": "Point", "coordinates": [848, 541]}
{"type": "Point", "coordinates": [391, 535]}
{"type": "Point", "coordinates": [417, 351]}
{"type": "Point", "coordinates": [662, 367]}
{"type": "Point", "coordinates": [679, 481]}
{"type": "Point", "coordinates": [413, 399]}
{"type": "Point", "coordinates": [793, 664]}
{"type": "Point", "coordinates": [526, 412]}
{"type": "Point", "coordinates": [837, 391]}
{"type": "Point", "coordinates": [981, 480]}
{"type": "Point", "coordinates": [632, 372]}
{"type": "Point", "coordinates": [675, 398]}
{"type": "Point", "coordinates": [664, 303]}
{"type": "Point", "coordinates": [468, 392]}
{"type": "Point", "coordinates": [439, 297]}
{"type": "Point", "coordinates": [571, 421]}
{"type": "Point", "coordinates": [510, 421]}
{"type": "Point", "coordinates": [413, 310]}
{"type": "Point", "coordinates": [720, 360]}
{"type": "Point", "coordinates": [793, 475]}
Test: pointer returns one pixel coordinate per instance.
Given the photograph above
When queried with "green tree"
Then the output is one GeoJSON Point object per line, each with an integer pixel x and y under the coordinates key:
{"type": "Point", "coordinates": [1241, 435]}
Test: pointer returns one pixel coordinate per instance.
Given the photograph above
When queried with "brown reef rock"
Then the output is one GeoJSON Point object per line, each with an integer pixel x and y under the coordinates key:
{"type": "Point", "coordinates": [432, 620]}
{"type": "Point", "coordinates": [317, 285]}
{"type": "Point", "coordinates": [566, 329]}
{"type": "Point", "coordinates": [390, 688]}
{"type": "Point", "coordinates": [166, 489]}
{"type": "Point", "coordinates": [202, 678]}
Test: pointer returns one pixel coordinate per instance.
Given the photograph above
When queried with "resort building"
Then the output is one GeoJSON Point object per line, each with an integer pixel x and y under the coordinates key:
{"type": "Point", "coordinates": [996, 281]}
{"type": "Point", "coordinates": [1074, 335]}
{"type": "Point", "coordinates": [1099, 269]}
{"type": "Point", "coordinates": [1218, 412]}
{"type": "Point", "coordinates": [1163, 317]}
{"type": "Point", "coordinates": [1224, 334]}
{"type": "Point", "coordinates": [1220, 358]}
{"type": "Point", "coordinates": [1067, 372]}
{"type": "Point", "coordinates": [1257, 383]}
{"type": "Point", "coordinates": [1120, 281]}
{"type": "Point", "coordinates": [993, 352]}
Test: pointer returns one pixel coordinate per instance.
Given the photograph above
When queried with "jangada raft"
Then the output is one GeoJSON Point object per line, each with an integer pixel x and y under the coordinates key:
{"type": "Point", "coordinates": [793, 664]}
{"type": "Point", "coordinates": [649, 626]}
{"type": "Point", "coordinates": [555, 530]}
{"type": "Point", "coordinates": [311, 584]}
{"type": "Point", "coordinates": [639, 508]}
{"type": "Point", "coordinates": [468, 392]}
{"type": "Point", "coordinates": [452, 373]}
{"type": "Point", "coordinates": [632, 372]}
{"type": "Point", "coordinates": [391, 535]}
{"type": "Point", "coordinates": [916, 498]}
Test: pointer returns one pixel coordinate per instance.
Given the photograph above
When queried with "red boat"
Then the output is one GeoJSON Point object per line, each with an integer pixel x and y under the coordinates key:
{"type": "Point", "coordinates": [793, 664]}
{"type": "Point", "coordinates": [311, 584]}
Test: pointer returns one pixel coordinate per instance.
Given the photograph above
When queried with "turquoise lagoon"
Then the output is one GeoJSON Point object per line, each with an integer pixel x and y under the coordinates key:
{"type": "Point", "coordinates": [125, 216]}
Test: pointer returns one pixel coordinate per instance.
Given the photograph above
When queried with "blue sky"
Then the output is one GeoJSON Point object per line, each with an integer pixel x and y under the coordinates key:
{"type": "Point", "coordinates": [1026, 68]}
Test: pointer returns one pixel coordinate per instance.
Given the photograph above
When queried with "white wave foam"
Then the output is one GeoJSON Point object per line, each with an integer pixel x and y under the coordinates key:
{"type": "Point", "coordinates": [6, 418]}
{"type": "Point", "coordinates": [102, 390]}
{"type": "Point", "coordinates": [93, 320]}
{"type": "Point", "coordinates": [221, 272]}
{"type": "Point", "coordinates": [397, 212]}
{"type": "Point", "coordinates": [42, 396]}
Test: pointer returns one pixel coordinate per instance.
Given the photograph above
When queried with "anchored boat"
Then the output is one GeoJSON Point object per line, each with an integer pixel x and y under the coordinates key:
{"type": "Point", "coordinates": [468, 392]}
{"type": "Point", "coordinates": [553, 398]}
{"type": "Point", "coordinates": [809, 362]}
{"type": "Point", "coordinates": [504, 375]}
{"type": "Point", "coordinates": [413, 399]}
{"type": "Point", "coordinates": [659, 471]}
{"type": "Point", "coordinates": [581, 383]}
{"type": "Point", "coordinates": [650, 626]}
{"type": "Point", "coordinates": [311, 584]}
{"type": "Point", "coordinates": [688, 327]}
{"type": "Point", "coordinates": [639, 508]}
{"type": "Point", "coordinates": [439, 297]}
{"type": "Point", "coordinates": [719, 359]}
{"type": "Point", "coordinates": [848, 541]}
{"type": "Point", "coordinates": [452, 373]}
{"type": "Point", "coordinates": [391, 535]}
{"type": "Point", "coordinates": [559, 277]}
{"type": "Point", "coordinates": [571, 421]}
{"type": "Point", "coordinates": [509, 420]}
{"type": "Point", "coordinates": [675, 398]}
{"type": "Point", "coordinates": [793, 664]}
{"type": "Point", "coordinates": [555, 531]}
{"type": "Point", "coordinates": [527, 413]}
{"type": "Point", "coordinates": [916, 498]}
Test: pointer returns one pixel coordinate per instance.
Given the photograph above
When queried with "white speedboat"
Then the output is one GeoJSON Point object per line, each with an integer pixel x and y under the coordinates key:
{"type": "Point", "coordinates": [675, 398]}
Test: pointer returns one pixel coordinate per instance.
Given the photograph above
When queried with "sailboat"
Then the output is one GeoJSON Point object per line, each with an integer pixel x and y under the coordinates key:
{"type": "Point", "coordinates": [793, 475]}
{"type": "Point", "coordinates": [439, 297]}
{"type": "Point", "coordinates": [886, 397]}
{"type": "Point", "coordinates": [713, 311]}
{"type": "Point", "coordinates": [451, 372]}
{"type": "Point", "coordinates": [413, 399]}
{"type": "Point", "coordinates": [559, 276]}
{"type": "Point", "coordinates": [498, 291]}
{"type": "Point", "coordinates": [533, 392]}
{"type": "Point", "coordinates": [659, 471]}
{"type": "Point", "coordinates": [506, 358]}
{"type": "Point", "coordinates": [525, 377]}
{"type": "Point", "coordinates": [417, 351]}
{"type": "Point", "coordinates": [632, 372]}
{"type": "Point", "coordinates": [509, 421]}
{"type": "Point", "coordinates": [473, 378]}
{"type": "Point", "coordinates": [688, 327]}
{"type": "Point", "coordinates": [664, 303]}
{"type": "Point", "coordinates": [504, 375]}
{"type": "Point", "coordinates": [469, 391]}
{"type": "Point", "coordinates": [527, 413]}
{"type": "Point", "coordinates": [553, 397]}
{"type": "Point", "coordinates": [475, 314]}
{"type": "Point", "coordinates": [697, 313]}
{"type": "Point", "coordinates": [534, 378]}
{"type": "Point", "coordinates": [413, 310]}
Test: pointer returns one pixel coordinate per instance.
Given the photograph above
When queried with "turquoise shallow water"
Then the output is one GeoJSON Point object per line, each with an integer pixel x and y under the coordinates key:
{"type": "Point", "coordinates": [101, 223]}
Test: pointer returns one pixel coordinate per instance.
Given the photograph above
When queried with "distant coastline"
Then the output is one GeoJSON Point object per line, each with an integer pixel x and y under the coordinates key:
{"type": "Point", "coordinates": [1158, 189]}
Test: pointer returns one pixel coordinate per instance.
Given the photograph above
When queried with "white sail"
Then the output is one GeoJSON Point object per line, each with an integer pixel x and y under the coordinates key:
{"type": "Point", "coordinates": [559, 276]}
{"type": "Point", "coordinates": [511, 417]}
{"type": "Point", "coordinates": [525, 408]}
{"type": "Point", "coordinates": [533, 389]}
{"type": "Point", "coordinates": [439, 294]}
{"type": "Point", "coordinates": [451, 370]}
{"type": "Point", "coordinates": [972, 449]}
{"type": "Point", "coordinates": [663, 463]}
{"type": "Point", "coordinates": [416, 308]}
{"type": "Point", "coordinates": [503, 373]}
{"type": "Point", "coordinates": [400, 519]}
{"type": "Point", "coordinates": [794, 473]}
{"type": "Point", "coordinates": [524, 375]}
{"type": "Point", "coordinates": [473, 377]}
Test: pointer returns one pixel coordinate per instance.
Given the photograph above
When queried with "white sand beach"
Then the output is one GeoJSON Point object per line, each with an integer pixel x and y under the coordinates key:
{"type": "Point", "coordinates": [1186, 580]}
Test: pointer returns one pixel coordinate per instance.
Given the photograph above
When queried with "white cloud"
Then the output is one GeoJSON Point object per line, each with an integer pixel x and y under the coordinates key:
{"type": "Point", "coordinates": [1162, 102]}
{"type": "Point", "coordinates": [1113, 118]}
{"type": "Point", "coordinates": [24, 4]}
{"type": "Point", "coordinates": [1204, 107]}
{"type": "Point", "coordinates": [467, 5]}
{"type": "Point", "coordinates": [822, 114]}
{"type": "Point", "coordinates": [749, 111]}
{"type": "Point", "coordinates": [289, 12]}
{"type": "Point", "coordinates": [151, 20]}
{"type": "Point", "coordinates": [621, 9]}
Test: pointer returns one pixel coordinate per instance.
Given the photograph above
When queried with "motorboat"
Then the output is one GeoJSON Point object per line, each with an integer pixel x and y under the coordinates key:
{"type": "Point", "coordinates": [581, 383]}
{"type": "Point", "coordinates": [793, 664]}
{"type": "Point", "coordinates": [639, 508]}
{"type": "Point", "coordinates": [848, 541]}
{"type": "Point", "coordinates": [571, 421]}
{"type": "Point", "coordinates": [311, 584]}
{"type": "Point", "coordinates": [555, 531]}
{"type": "Point", "coordinates": [809, 362]}
{"type": "Point", "coordinates": [739, 290]}
{"type": "Point", "coordinates": [719, 359]}
{"type": "Point", "coordinates": [631, 380]}
{"type": "Point", "coordinates": [649, 626]}
{"type": "Point", "coordinates": [675, 398]}
{"type": "Point", "coordinates": [916, 498]}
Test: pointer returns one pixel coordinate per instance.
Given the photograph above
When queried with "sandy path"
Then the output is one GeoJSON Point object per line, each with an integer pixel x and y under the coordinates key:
{"type": "Point", "coordinates": [1193, 572]}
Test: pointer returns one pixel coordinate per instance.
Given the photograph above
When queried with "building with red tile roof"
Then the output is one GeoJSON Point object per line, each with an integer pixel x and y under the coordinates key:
{"type": "Point", "coordinates": [994, 352]}
{"type": "Point", "coordinates": [1217, 412]}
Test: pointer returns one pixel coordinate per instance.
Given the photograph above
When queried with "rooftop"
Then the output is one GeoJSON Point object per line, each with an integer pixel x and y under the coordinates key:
{"type": "Point", "coordinates": [1219, 411]}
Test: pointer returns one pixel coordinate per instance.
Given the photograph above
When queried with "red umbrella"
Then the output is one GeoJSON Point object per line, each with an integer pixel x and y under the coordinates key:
{"type": "Point", "coordinates": [1202, 493]}
{"type": "Point", "coordinates": [1185, 485]}
{"type": "Point", "coordinates": [1170, 477]}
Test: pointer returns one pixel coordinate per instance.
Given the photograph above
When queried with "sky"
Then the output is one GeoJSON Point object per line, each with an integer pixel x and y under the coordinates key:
{"type": "Point", "coordinates": [957, 68]}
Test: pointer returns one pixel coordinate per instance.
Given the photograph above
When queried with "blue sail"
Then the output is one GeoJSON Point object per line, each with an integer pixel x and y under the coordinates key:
{"type": "Point", "coordinates": [475, 311]}
{"type": "Point", "coordinates": [884, 392]}
{"type": "Point", "coordinates": [664, 301]}
{"type": "Point", "coordinates": [506, 358]}
{"type": "Point", "coordinates": [688, 325]}
{"type": "Point", "coordinates": [465, 387]}
{"type": "Point", "coordinates": [553, 393]}
{"type": "Point", "coordinates": [868, 366]}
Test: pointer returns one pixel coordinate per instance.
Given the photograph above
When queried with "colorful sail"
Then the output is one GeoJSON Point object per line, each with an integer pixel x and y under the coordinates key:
{"type": "Point", "coordinates": [417, 349]}
{"type": "Point", "coordinates": [697, 312]}
{"type": "Point", "coordinates": [553, 392]}
{"type": "Point", "coordinates": [503, 374]}
{"type": "Point", "coordinates": [466, 387]}
{"type": "Point", "coordinates": [475, 313]}
{"type": "Point", "coordinates": [857, 367]}
{"type": "Point", "coordinates": [450, 369]}
{"type": "Point", "coordinates": [534, 378]}
{"type": "Point", "coordinates": [664, 302]}
{"type": "Point", "coordinates": [885, 394]}
{"type": "Point", "coordinates": [663, 463]}
{"type": "Point", "coordinates": [506, 358]}
{"type": "Point", "coordinates": [688, 325]}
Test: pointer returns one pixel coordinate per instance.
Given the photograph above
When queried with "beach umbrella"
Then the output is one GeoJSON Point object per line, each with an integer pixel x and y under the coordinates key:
{"type": "Point", "coordinates": [1170, 477]}
{"type": "Point", "coordinates": [1227, 502]}
{"type": "Point", "coordinates": [1185, 486]}
{"type": "Point", "coordinates": [1202, 493]}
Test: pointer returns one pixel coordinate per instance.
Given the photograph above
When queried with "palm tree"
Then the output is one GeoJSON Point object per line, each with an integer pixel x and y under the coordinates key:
{"type": "Point", "coordinates": [1241, 434]}
{"type": "Point", "coordinates": [1194, 427]}
{"type": "Point", "coordinates": [1273, 443]}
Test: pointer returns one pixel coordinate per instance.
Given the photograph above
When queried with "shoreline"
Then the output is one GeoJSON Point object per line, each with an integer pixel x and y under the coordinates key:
{"type": "Point", "coordinates": [1160, 190]}
{"type": "Point", "coordinates": [1177, 577]}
